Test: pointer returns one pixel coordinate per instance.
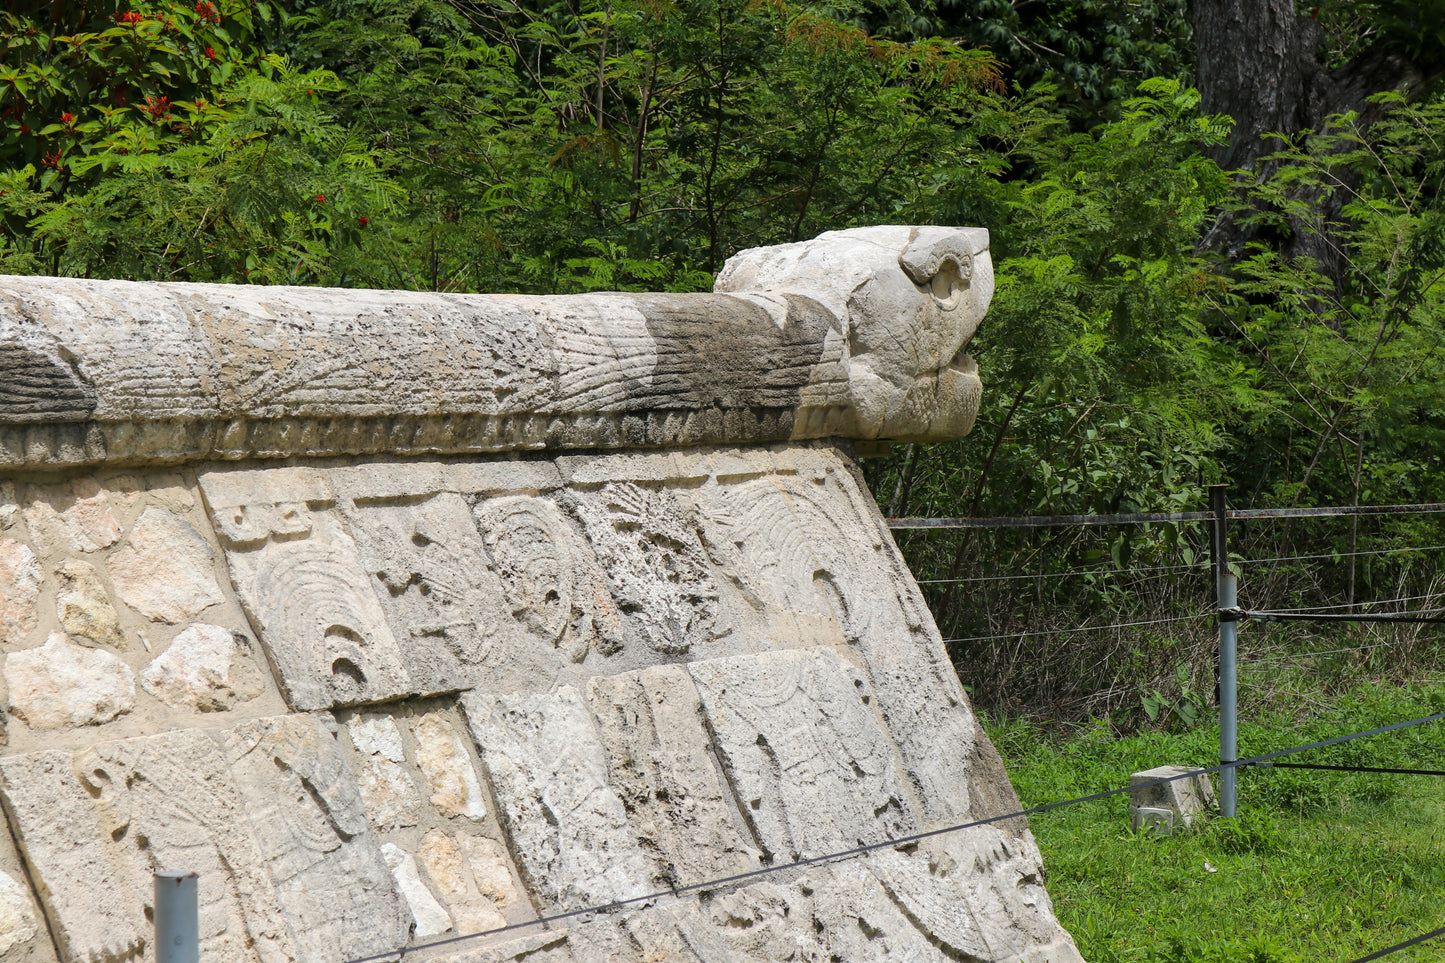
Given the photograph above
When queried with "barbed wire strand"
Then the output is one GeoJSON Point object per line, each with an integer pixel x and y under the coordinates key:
{"type": "Point", "coordinates": [892, 843]}
{"type": "Point", "coordinates": [1084, 628]}
{"type": "Point", "coordinates": [1306, 655]}
{"type": "Point", "coordinates": [1176, 568]}
{"type": "Point", "coordinates": [1346, 605]}
{"type": "Point", "coordinates": [1305, 558]}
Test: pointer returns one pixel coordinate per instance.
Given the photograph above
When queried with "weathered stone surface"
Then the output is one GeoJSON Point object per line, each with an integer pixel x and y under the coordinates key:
{"type": "Point", "coordinates": [550, 576]}
{"type": "Point", "coordinates": [83, 605]}
{"type": "Point", "coordinates": [812, 547]}
{"type": "Point", "coordinates": [548, 770]}
{"type": "Point", "coordinates": [675, 664]}
{"type": "Point", "coordinates": [442, 600]}
{"type": "Point", "coordinates": [443, 759]}
{"type": "Point", "coordinates": [857, 333]}
{"type": "Point", "coordinates": [332, 882]}
{"type": "Point", "coordinates": [377, 734]}
{"type": "Point", "coordinates": [389, 795]}
{"type": "Point", "coordinates": [473, 876]}
{"type": "Point", "coordinates": [655, 564]}
{"type": "Point", "coordinates": [72, 517]}
{"type": "Point", "coordinates": [18, 919]}
{"type": "Point", "coordinates": [300, 580]}
{"type": "Point", "coordinates": [9, 506]}
{"type": "Point", "coordinates": [60, 685]}
{"type": "Point", "coordinates": [908, 377]}
{"type": "Point", "coordinates": [165, 569]}
{"type": "Point", "coordinates": [652, 725]}
{"type": "Point", "coordinates": [94, 824]}
{"type": "Point", "coordinates": [206, 668]}
{"type": "Point", "coordinates": [430, 916]}
{"type": "Point", "coordinates": [19, 590]}
{"type": "Point", "coordinates": [813, 769]}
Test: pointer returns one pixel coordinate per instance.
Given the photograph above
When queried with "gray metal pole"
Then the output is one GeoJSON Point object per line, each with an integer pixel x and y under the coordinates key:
{"type": "Point", "coordinates": [178, 930]}
{"type": "Point", "coordinates": [1226, 590]}
{"type": "Point", "coordinates": [1228, 683]}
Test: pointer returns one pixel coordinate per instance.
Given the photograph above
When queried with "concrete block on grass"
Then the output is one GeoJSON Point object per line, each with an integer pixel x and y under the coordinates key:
{"type": "Point", "coordinates": [1162, 808]}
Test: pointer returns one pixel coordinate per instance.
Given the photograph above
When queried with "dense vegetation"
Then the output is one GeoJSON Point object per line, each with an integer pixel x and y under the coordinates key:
{"type": "Point", "coordinates": [1140, 345]}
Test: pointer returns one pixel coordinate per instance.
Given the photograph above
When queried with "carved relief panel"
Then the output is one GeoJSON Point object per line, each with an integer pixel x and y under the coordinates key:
{"type": "Point", "coordinates": [299, 576]}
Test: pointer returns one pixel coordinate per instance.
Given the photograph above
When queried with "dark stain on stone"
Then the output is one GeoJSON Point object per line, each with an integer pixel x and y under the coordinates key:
{"type": "Point", "coordinates": [721, 352]}
{"type": "Point", "coordinates": [41, 385]}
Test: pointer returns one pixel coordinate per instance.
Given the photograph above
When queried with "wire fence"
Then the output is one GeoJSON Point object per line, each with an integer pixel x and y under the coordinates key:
{"type": "Point", "coordinates": [1224, 566]}
{"type": "Point", "coordinates": [737, 879]}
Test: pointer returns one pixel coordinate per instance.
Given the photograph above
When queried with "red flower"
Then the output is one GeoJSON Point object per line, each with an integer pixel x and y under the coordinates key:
{"type": "Point", "coordinates": [321, 198]}
{"type": "Point", "coordinates": [363, 221]}
{"type": "Point", "coordinates": [24, 129]}
{"type": "Point", "coordinates": [51, 159]}
{"type": "Point", "coordinates": [67, 118]}
{"type": "Point", "coordinates": [130, 16]}
{"type": "Point", "coordinates": [157, 107]}
{"type": "Point", "coordinates": [211, 53]}
{"type": "Point", "coordinates": [208, 12]}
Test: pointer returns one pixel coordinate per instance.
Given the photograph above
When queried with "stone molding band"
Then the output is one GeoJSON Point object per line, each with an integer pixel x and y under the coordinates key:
{"type": "Point", "coordinates": [856, 334]}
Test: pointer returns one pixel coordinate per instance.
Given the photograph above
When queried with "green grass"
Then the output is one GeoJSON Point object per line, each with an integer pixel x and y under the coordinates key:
{"type": "Point", "coordinates": [1319, 867]}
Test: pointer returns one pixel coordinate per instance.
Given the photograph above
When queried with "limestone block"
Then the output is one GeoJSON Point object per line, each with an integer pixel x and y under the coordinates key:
{"type": "Point", "coordinates": [9, 506]}
{"type": "Point", "coordinates": [568, 827]}
{"type": "Point", "coordinates": [655, 564]}
{"type": "Point", "coordinates": [20, 921]}
{"type": "Point", "coordinates": [59, 685]}
{"type": "Point", "coordinates": [1186, 798]}
{"type": "Point", "coordinates": [301, 581]}
{"type": "Point", "coordinates": [92, 900]}
{"type": "Point", "coordinates": [19, 591]}
{"type": "Point", "coordinates": [443, 602]}
{"type": "Point", "coordinates": [332, 882]}
{"type": "Point", "coordinates": [376, 733]}
{"type": "Point", "coordinates": [94, 825]}
{"type": "Point", "coordinates": [801, 543]}
{"type": "Point", "coordinates": [83, 605]}
{"type": "Point", "coordinates": [165, 569]}
{"type": "Point", "coordinates": [429, 915]}
{"type": "Point", "coordinates": [71, 517]}
{"type": "Point", "coordinates": [652, 725]}
{"type": "Point", "coordinates": [443, 759]}
{"type": "Point", "coordinates": [388, 794]}
{"type": "Point", "coordinates": [207, 668]}
{"type": "Point", "coordinates": [550, 575]}
{"type": "Point", "coordinates": [474, 877]}
{"type": "Point", "coordinates": [812, 767]}
{"type": "Point", "coordinates": [1000, 877]}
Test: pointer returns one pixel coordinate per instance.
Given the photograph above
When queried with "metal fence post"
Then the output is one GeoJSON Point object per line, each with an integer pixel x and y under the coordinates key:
{"type": "Point", "coordinates": [1226, 591]}
{"type": "Point", "coordinates": [178, 938]}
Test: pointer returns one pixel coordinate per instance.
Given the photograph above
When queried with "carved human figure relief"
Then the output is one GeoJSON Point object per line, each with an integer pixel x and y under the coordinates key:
{"type": "Point", "coordinates": [443, 600]}
{"type": "Point", "coordinates": [126, 809]}
{"type": "Point", "coordinates": [299, 577]}
{"type": "Point", "coordinates": [331, 879]}
{"type": "Point", "coordinates": [812, 767]}
{"type": "Point", "coordinates": [661, 763]}
{"type": "Point", "coordinates": [548, 769]}
{"type": "Point", "coordinates": [550, 575]}
{"type": "Point", "coordinates": [655, 564]}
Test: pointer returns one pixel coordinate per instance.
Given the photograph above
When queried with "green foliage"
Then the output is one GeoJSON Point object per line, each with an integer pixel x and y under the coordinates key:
{"type": "Point", "coordinates": [1349, 874]}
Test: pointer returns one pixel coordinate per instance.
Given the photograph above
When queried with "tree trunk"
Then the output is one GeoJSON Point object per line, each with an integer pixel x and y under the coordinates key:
{"type": "Point", "coordinates": [1260, 63]}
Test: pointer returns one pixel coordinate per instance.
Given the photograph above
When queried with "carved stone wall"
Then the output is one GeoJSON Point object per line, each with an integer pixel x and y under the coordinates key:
{"type": "Point", "coordinates": [384, 701]}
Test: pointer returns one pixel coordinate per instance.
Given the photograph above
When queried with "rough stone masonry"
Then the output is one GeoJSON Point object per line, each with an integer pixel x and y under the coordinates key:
{"type": "Point", "coordinates": [402, 616]}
